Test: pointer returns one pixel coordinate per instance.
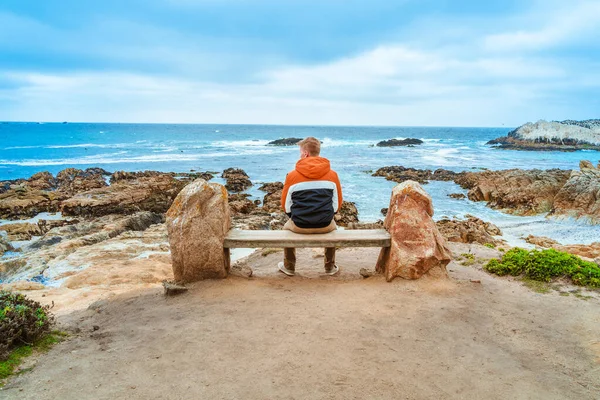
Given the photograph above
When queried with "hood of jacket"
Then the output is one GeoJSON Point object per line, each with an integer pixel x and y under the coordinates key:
{"type": "Point", "coordinates": [313, 167]}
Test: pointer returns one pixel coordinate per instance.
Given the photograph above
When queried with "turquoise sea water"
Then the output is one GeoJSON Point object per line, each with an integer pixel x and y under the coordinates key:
{"type": "Point", "coordinates": [27, 148]}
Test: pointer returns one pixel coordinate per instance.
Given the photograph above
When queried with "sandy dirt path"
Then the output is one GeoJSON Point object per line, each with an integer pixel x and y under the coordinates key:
{"type": "Point", "coordinates": [317, 337]}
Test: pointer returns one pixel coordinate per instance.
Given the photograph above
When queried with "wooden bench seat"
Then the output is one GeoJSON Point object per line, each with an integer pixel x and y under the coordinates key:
{"type": "Point", "coordinates": [237, 238]}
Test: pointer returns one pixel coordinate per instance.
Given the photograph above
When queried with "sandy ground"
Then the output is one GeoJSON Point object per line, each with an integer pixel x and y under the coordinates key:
{"type": "Point", "coordinates": [471, 336]}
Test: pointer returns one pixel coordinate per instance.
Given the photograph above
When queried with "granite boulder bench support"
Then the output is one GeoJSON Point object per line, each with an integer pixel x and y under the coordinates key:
{"type": "Point", "coordinates": [418, 248]}
{"type": "Point", "coordinates": [197, 223]}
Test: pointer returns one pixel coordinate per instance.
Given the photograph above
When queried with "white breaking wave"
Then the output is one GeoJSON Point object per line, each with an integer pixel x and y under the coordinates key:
{"type": "Point", "coordinates": [240, 143]}
{"type": "Point", "coordinates": [328, 142]}
{"type": "Point", "coordinates": [90, 145]}
{"type": "Point", "coordinates": [447, 157]}
{"type": "Point", "coordinates": [115, 158]}
{"type": "Point", "coordinates": [118, 158]}
{"type": "Point", "coordinates": [74, 146]}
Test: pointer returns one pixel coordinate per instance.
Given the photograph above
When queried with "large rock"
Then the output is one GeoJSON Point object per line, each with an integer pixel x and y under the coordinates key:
{"type": "Point", "coordinates": [272, 200]}
{"type": "Point", "coordinates": [73, 180]}
{"type": "Point", "coordinates": [237, 180]}
{"type": "Point", "coordinates": [579, 197]}
{"type": "Point", "coordinates": [149, 193]}
{"type": "Point", "coordinates": [470, 230]}
{"type": "Point", "coordinates": [21, 231]}
{"type": "Point", "coordinates": [20, 201]}
{"type": "Point", "coordinates": [240, 204]}
{"type": "Point", "coordinates": [418, 248]}
{"type": "Point", "coordinates": [399, 142]}
{"type": "Point", "coordinates": [197, 223]}
{"type": "Point", "coordinates": [260, 220]}
{"type": "Point", "coordinates": [42, 181]}
{"type": "Point", "coordinates": [5, 245]}
{"type": "Point", "coordinates": [563, 136]}
{"type": "Point", "coordinates": [398, 173]}
{"type": "Point", "coordinates": [285, 142]}
{"type": "Point", "coordinates": [347, 214]}
{"type": "Point", "coordinates": [521, 192]}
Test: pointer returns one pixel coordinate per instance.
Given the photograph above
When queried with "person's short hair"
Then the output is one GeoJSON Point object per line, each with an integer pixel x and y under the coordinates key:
{"type": "Point", "coordinates": [311, 145]}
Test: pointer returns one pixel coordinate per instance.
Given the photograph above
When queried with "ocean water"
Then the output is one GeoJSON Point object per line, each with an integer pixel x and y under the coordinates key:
{"type": "Point", "coordinates": [27, 148]}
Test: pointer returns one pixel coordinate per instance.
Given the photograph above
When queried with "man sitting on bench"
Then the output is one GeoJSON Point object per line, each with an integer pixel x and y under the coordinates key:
{"type": "Point", "coordinates": [311, 196]}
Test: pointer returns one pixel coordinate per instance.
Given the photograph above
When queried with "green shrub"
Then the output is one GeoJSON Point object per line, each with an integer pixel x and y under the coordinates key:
{"type": "Point", "coordinates": [490, 245]}
{"type": "Point", "coordinates": [546, 265]}
{"type": "Point", "coordinates": [22, 321]}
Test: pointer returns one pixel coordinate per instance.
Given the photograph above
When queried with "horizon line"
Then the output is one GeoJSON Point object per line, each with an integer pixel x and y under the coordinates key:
{"type": "Point", "coordinates": [256, 124]}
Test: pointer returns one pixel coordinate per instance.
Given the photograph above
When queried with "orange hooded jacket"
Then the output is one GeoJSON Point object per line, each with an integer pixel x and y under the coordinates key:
{"type": "Point", "coordinates": [312, 193]}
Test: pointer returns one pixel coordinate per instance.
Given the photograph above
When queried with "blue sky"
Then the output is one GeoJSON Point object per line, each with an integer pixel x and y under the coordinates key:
{"type": "Point", "coordinates": [377, 62]}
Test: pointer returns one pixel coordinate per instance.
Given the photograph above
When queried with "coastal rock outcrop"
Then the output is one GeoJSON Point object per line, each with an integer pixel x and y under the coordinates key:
{"type": "Point", "coordinates": [26, 230]}
{"type": "Point", "coordinates": [51, 257]}
{"type": "Point", "coordinates": [237, 180]}
{"type": "Point", "coordinates": [188, 177]}
{"type": "Point", "coordinates": [271, 187]}
{"type": "Point", "coordinates": [579, 197]}
{"type": "Point", "coordinates": [197, 223]}
{"type": "Point", "coordinates": [42, 181]}
{"type": "Point", "coordinates": [21, 201]}
{"type": "Point", "coordinates": [521, 192]}
{"type": "Point", "coordinates": [470, 230]}
{"type": "Point", "coordinates": [260, 220]}
{"type": "Point", "coordinates": [347, 214]}
{"type": "Point", "coordinates": [240, 204]}
{"type": "Point", "coordinates": [21, 231]}
{"type": "Point", "coordinates": [285, 142]}
{"type": "Point", "coordinates": [397, 173]}
{"type": "Point", "coordinates": [564, 136]}
{"type": "Point", "coordinates": [399, 142]}
{"type": "Point", "coordinates": [418, 248]}
{"type": "Point", "coordinates": [272, 200]}
{"type": "Point", "coordinates": [5, 245]}
{"type": "Point", "coordinates": [73, 180]}
{"type": "Point", "coordinates": [151, 193]}
{"type": "Point", "coordinates": [589, 251]}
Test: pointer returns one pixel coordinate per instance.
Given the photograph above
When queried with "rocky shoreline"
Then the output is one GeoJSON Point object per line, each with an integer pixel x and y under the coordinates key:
{"type": "Point", "coordinates": [103, 211]}
{"type": "Point", "coordinates": [560, 193]}
{"type": "Point", "coordinates": [566, 135]}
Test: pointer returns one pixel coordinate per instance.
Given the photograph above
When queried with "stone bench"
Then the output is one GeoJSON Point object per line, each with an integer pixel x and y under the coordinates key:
{"type": "Point", "coordinates": [200, 235]}
{"type": "Point", "coordinates": [237, 238]}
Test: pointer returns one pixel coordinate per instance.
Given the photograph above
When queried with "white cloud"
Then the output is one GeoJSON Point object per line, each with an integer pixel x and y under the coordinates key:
{"type": "Point", "coordinates": [549, 27]}
{"type": "Point", "coordinates": [473, 83]}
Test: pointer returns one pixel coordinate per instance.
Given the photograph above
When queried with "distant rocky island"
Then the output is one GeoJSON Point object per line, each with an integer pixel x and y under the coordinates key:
{"type": "Point", "coordinates": [398, 142]}
{"type": "Point", "coordinates": [285, 142]}
{"type": "Point", "coordinates": [566, 135]}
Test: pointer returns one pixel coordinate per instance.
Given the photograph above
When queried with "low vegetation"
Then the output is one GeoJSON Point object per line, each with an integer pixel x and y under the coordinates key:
{"type": "Point", "coordinates": [22, 321]}
{"type": "Point", "coordinates": [267, 251]}
{"type": "Point", "coordinates": [16, 356]}
{"type": "Point", "coordinates": [467, 259]}
{"type": "Point", "coordinates": [24, 325]}
{"type": "Point", "coordinates": [546, 265]}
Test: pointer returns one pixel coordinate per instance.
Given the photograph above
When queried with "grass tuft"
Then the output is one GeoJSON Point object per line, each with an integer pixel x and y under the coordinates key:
{"type": "Point", "coordinates": [267, 251]}
{"type": "Point", "coordinates": [546, 265]}
{"type": "Point", "coordinates": [19, 353]}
